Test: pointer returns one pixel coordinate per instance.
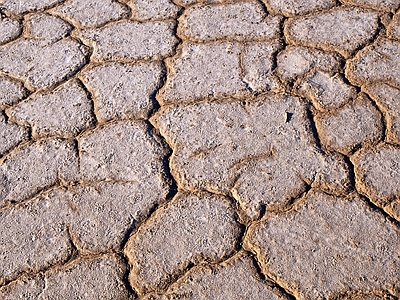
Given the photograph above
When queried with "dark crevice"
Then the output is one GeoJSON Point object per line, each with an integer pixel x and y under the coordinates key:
{"type": "Point", "coordinates": [352, 175]}
{"type": "Point", "coordinates": [92, 102]}
{"type": "Point", "coordinates": [125, 277]}
{"type": "Point", "coordinates": [382, 115]}
{"type": "Point", "coordinates": [369, 202]}
{"type": "Point", "coordinates": [380, 31]}
{"type": "Point", "coordinates": [313, 128]}
{"type": "Point", "coordinates": [279, 290]}
{"type": "Point", "coordinates": [379, 209]}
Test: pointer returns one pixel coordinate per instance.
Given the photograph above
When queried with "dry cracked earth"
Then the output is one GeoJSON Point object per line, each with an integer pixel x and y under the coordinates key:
{"type": "Point", "coordinates": [200, 149]}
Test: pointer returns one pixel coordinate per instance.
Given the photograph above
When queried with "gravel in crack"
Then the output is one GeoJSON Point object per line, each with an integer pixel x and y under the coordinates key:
{"type": "Point", "coordinates": [343, 29]}
{"type": "Point", "coordinates": [36, 166]}
{"type": "Point", "coordinates": [131, 40]}
{"type": "Point", "coordinates": [123, 91]}
{"type": "Point", "coordinates": [377, 62]}
{"type": "Point", "coordinates": [234, 279]}
{"type": "Point", "coordinates": [326, 246]}
{"type": "Point", "coordinates": [292, 8]}
{"type": "Point", "coordinates": [387, 99]}
{"type": "Point", "coordinates": [100, 277]}
{"type": "Point", "coordinates": [11, 135]}
{"type": "Point", "coordinates": [91, 13]}
{"type": "Point", "coordinates": [66, 111]}
{"type": "Point", "coordinates": [191, 229]}
{"type": "Point", "coordinates": [238, 21]}
{"type": "Point", "coordinates": [352, 126]}
{"type": "Point", "coordinates": [263, 149]}
{"type": "Point", "coordinates": [377, 173]}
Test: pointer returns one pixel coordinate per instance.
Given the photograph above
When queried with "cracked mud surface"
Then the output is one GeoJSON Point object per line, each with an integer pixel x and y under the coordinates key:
{"type": "Point", "coordinates": [200, 149]}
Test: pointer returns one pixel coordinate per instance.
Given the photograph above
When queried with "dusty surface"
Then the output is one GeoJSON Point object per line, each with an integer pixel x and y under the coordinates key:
{"type": "Point", "coordinates": [200, 149]}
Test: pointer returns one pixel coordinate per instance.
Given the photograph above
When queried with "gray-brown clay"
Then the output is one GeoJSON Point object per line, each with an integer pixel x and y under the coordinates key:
{"type": "Point", "coordinates": [200, 149]}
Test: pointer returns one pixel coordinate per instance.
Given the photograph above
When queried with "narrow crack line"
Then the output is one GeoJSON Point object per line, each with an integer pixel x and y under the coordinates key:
{"type": "Point", "coordinates": [33, 198]}
{"type": "Point", "coordinates": [268, 280]}
{"type": "Point", "coordinates": [379, 32]}
{"type": "Point", "coordinates": [72, 240]}
{"type": "Point", "coordinates": [92, 100]}
{"type": "Point", "coordinates": [365, 198]}
{"type": "Point", "coordinates": [78, 154]}
{"type": "Point", "coordinates": [181, 274]}
{"type": "Point", "coordinates": [73, 257]}
{"type": "Point", "coordinates": [173, 190]}
{"type": "Point", "coordinates": [267, 275]}
{"type": "Point", "coordinates": [382, 116]}
{"type": "Point", "coordinates": [32, 141]}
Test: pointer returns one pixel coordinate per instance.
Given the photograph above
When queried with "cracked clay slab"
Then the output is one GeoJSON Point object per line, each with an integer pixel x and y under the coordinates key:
{"type": "Point", "coordinates": [47, 27]}
{"type": "Point", "coordinates": [343, 29]}
{"type": "Point", "coordinates": [291, 8]}
{"type": "Point", "coordinates": [100, 277]}
{"type": "Point", "coordinates": [354, 125]}
{"type": "Point", "coordinates": [11, 91]}
{"type": "Point", "coordinates": [192, 228]}
{"type": "Point", "coordinates": [36, 166]}
{"type": "Point", "coordinates": [297, 61]}
{"type": "Point", "coordinates": [123, 91]}
{"type": "Point", "coordinates": [34, 236]}
{"type": "Point", "coordinates": [377, 173]}
{"type": "Point", "coordinates": [253, 147]}
{"type": "Point", "coordinates": [377, 62]}
{"type": "Point", "coordinates": [23, 6]}
{"type": "Point", "coordinates": [237, 21]}
{"type": "Point", "coordinates": [143, 10]}
{"type": "Point", "coordinates": [11, 135]}
{"type": "Point", "coordinates": [101, 214]}
{"type": "Point", "coordinates": [219, 69]}
{"type": "Point", "coordinates": [326, 92]}
{"type": "Point", "coordinates": [9, 29]}
{"type": "Point", "coordinates": [203, 70]}
{"type": "Point", "coordinates": [66, 111]}
{"type": "Point", "coordinates": [326, 246]}
{"type": "Point", "coordinates": [234, 279]}
{"type": "Point", "coordinates": [131, 40]}
{"type": "Point", "coordinates": [387, 99]}
{"type": "Point", "coordinates": [135, 154]}
{"type": "Point", "coordinates": [40, 65]}
{"type": "Point", "coordinates": [91, 13]}
{"type": "Point", "coordinates": [385, 5]}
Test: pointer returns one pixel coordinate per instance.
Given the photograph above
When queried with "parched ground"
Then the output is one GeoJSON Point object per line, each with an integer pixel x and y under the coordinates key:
{"type": "Point", "coordinates": [200, 149]}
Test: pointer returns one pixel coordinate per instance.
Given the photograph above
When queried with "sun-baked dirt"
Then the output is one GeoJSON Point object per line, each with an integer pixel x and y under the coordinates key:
{"type": "Point", "coordinates": [200, 149]}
